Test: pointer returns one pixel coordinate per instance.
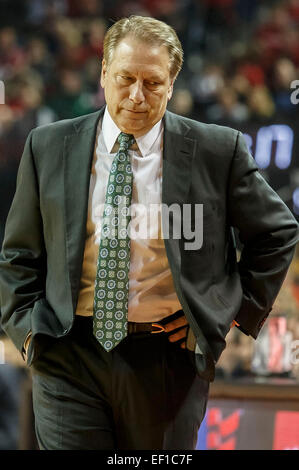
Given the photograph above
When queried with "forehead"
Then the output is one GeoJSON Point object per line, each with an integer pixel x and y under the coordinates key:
{"type": "Point", "coordinates": [135, 55]}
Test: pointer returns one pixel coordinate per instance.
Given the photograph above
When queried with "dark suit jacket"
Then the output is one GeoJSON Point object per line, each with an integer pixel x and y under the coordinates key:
{"type": "Point", "coordinates": [41, 260]}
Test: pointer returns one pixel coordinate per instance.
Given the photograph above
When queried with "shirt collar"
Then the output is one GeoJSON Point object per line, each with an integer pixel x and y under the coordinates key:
{"type": "Point", "coordinates": [111, 132]}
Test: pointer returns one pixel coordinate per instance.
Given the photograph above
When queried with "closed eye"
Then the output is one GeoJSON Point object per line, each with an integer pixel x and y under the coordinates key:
{"type": "Point", "coordinates": [123, 78]}
{"type": "Point", "coordinates": [152, 84]}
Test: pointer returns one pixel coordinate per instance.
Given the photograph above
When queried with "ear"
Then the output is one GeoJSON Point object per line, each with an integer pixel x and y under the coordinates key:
{"type": "Point", "coordinates": [103, 73]}
{"type": "Point", "coordinates": [170, 89]}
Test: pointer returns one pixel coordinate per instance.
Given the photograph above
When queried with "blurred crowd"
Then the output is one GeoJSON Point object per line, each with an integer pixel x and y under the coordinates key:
{"type": "Point", "coordinates": [240, 58]}
{"type": "Point", "coordinates": [277, 351]}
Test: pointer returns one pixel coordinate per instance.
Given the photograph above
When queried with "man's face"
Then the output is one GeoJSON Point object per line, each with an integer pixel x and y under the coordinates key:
{"type": "Point", "coordinates": [137, 85]}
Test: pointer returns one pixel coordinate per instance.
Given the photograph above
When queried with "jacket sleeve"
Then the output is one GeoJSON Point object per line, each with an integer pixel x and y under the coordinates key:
{"type": "Point", "coordinates": [23, 255]}
{"type": "Point", "coordinates": [268, 232]}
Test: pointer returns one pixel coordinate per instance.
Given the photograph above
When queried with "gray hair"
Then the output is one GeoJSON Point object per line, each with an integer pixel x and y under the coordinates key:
{"type": "Point", "coordinates": [148, 30]}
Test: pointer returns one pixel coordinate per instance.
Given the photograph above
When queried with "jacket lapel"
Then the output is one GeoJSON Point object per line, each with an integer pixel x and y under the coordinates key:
{"type": "Point", "coordinates": [77, 161]}
{"type": "Point", "coordinates": [178, 152]}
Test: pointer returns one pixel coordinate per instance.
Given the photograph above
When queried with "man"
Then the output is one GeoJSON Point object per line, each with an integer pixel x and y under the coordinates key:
{"type": "Point", "coordinates": [123, 333]}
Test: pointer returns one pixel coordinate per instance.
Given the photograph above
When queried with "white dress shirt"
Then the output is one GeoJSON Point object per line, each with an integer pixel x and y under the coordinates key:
{"type": "Point", "coordinates": [151, 291]}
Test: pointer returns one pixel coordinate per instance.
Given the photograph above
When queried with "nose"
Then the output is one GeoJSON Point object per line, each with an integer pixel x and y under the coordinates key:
{"type": "Point", "coordinates": [136, 92]}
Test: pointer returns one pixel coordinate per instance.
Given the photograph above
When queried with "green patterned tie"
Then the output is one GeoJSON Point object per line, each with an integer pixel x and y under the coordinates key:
{"type": "Point", "coordinates": [112, 278]}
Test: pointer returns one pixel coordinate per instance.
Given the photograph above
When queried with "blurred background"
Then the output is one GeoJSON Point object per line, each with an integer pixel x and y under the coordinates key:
{"type": "Point", "coordinates": [240, 69]}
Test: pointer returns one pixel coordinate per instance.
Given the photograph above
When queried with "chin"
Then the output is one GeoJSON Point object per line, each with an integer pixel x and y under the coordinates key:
{"type": "Point", "coordinates": [134, 127]}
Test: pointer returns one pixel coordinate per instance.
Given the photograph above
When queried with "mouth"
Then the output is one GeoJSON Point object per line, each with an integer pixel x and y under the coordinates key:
{"type": "Point", "coordinates": [135, 112]}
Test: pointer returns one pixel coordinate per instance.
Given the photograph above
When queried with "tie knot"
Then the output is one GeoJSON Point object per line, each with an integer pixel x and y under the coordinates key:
{"type": "Point", "coordinates": [125, 140]}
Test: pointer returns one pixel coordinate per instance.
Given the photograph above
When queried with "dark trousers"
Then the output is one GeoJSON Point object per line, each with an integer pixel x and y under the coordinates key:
{"type": "Point", "coordinates": [144, 394]}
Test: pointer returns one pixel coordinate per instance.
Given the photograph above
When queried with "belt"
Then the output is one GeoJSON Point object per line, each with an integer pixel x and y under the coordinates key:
{"type": "Point", "coordinates": [153, 327]}
{"type": "Point", "coordinates": [134, 327]}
